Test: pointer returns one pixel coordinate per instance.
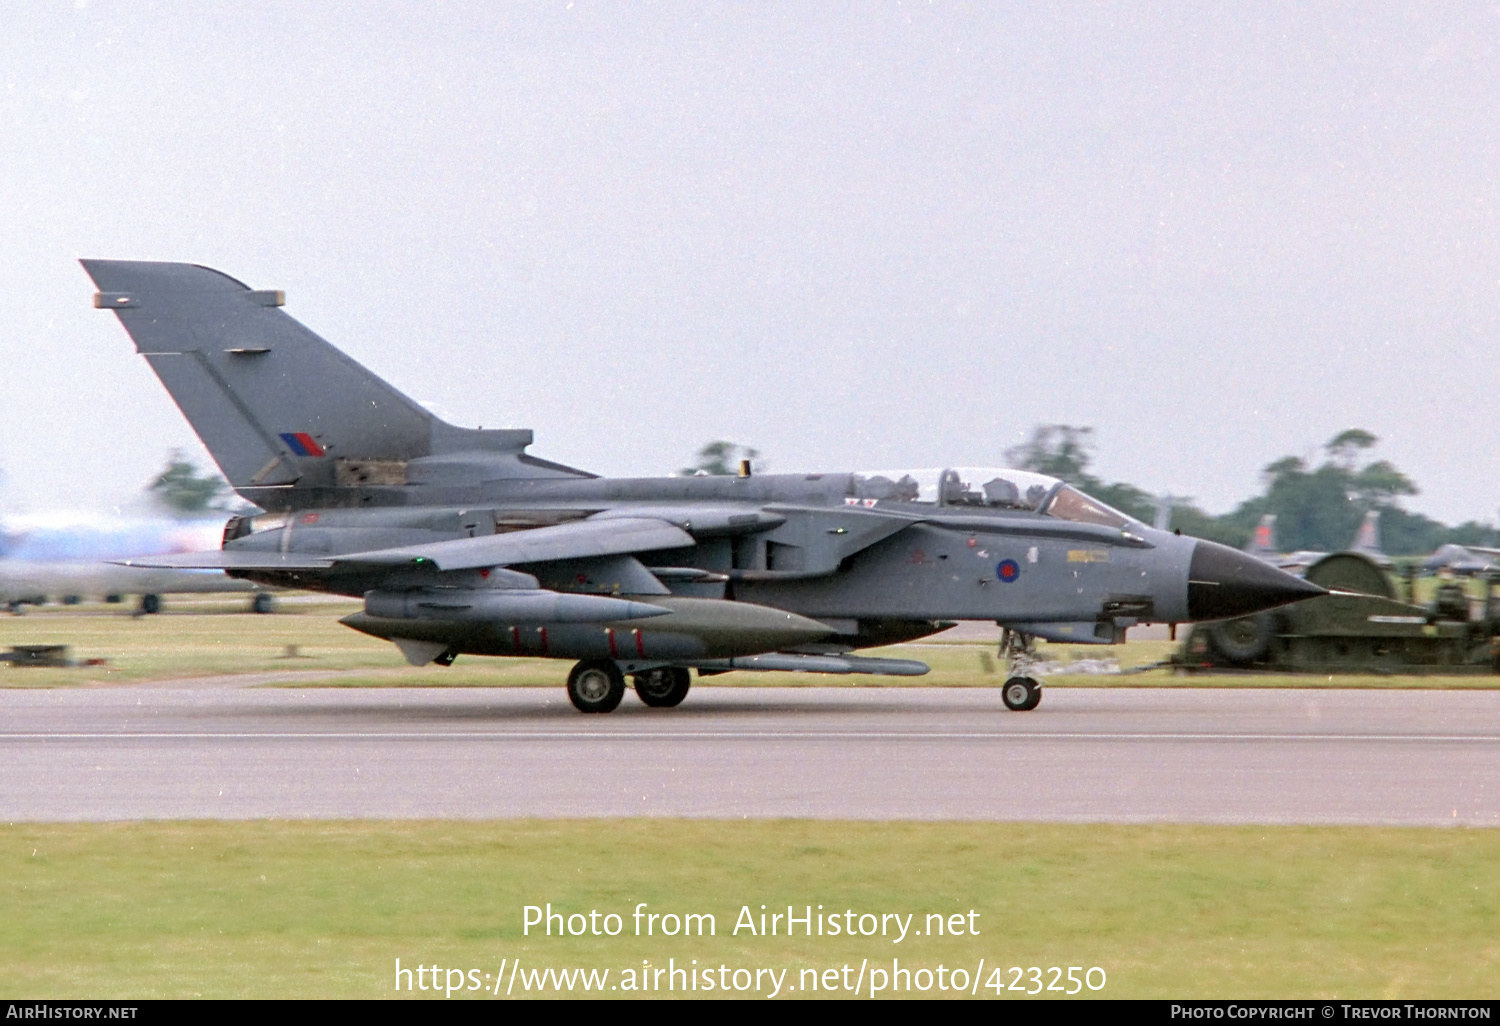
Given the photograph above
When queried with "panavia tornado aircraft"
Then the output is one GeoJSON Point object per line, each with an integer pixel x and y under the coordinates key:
{"type": "Point", "coordinates": [461, 542]}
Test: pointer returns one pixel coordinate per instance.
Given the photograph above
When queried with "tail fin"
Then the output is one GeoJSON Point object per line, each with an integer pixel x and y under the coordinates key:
{"type": "Point", "coordinates": [1367, 538]}
{"type": "Point", "coordinates": [276, 405]}
{"type": "Point", "coordinates": [1164, 505]}
{"type": "Point", "coordinates": [1263, 541]}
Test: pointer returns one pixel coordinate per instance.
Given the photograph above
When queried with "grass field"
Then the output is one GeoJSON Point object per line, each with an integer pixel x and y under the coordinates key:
{"type": "Point", "coordinates": [207, 637]}
{"type": "Point", "coordinates": [314, 909]}
{"type": "Point", "coordinates": [297, 909]}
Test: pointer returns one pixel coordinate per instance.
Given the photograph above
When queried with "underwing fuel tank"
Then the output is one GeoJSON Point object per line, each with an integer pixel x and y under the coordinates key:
{"type": "Point", "coordinates": [676, 628]}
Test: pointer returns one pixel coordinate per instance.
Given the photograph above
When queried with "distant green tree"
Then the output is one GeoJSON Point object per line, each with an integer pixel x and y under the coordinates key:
{"type": "Point", "coordinates": [1320, 508]}
{"type": "Point", "coordinates": [184, 491]}
{"type": "Point", "coordinates": [1316, 507]}
{"type": "Point", "coordinates": [721, 459]}
{"type": "Point", "coordinates": [1379, 485]}
{"type": "Point", "coordinates": [1192, 521]}
{"type": "Point", "coordinates": [1344, 448]}
{"type": "Point", "coordinates": [1058, 450]}
{"type": "Point", "coordinates": [1065, 452]}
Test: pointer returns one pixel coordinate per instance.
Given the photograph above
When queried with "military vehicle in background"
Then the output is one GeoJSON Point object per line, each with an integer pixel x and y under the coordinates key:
{"type": "Point", "coordinates": [1363, 625]}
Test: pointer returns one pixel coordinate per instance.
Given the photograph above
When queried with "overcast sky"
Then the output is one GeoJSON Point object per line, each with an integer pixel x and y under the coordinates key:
{"type": "Point", "coordinates": [850, 235]}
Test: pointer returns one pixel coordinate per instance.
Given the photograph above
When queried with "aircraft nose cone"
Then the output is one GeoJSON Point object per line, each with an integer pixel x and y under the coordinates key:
{"type": "Point", "coordinates": [1224, 583]}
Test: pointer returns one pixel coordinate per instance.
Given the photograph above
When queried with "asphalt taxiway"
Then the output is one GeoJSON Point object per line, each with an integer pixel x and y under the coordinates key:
{"type": "Point", "coordinates": [210, 749]}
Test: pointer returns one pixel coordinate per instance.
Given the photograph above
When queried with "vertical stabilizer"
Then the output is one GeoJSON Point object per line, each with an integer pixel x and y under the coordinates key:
{"type": "Point", "coordinates": [1163, 521]}
{"type": "Point", "coordinates": [1263, 541]}
{"type": "Point", "coordinates": [1367, 538]}
{"type": "Point", "coordinates": [276, 405]}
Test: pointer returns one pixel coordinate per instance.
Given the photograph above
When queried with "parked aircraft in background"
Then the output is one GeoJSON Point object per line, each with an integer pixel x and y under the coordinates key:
{"type": "Point", "coordinates": [461, 542]}
{"type": "Point", "coordinates": [1262, 545]}
{"type": "Point", "coordinates": [1262, 542]}
{"type": "Point", "coordinates": [24, 583]}
{"type": "Point", "coordinates": [63, 557]}
{"type": "Point", "coordinates": [1367, 540]}
{"type": "Point", "coordinates": [1463, 560]}
{"type": "Point", "coordinates": [1163, 505]}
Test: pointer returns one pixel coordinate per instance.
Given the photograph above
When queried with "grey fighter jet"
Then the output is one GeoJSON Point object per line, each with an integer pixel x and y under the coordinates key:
{"type": "Point", "coordinates": [461, 542]}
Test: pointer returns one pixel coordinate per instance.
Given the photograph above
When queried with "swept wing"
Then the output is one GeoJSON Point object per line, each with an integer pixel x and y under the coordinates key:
{"type": "Point", "coordinates": [581, 539]}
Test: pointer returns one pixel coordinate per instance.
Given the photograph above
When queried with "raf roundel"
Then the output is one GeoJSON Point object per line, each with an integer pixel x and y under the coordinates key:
{"type": "Point", "coordinates": [1008, 570]}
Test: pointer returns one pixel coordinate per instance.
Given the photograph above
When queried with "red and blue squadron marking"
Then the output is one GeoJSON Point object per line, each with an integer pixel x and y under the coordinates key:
{"type": "Point", "coordinates": [302, 444]}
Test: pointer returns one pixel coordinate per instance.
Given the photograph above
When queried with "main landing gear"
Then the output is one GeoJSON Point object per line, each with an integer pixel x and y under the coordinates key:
{"type": "Point", "coordinates": [664, 687]}
{"type": "Point", "coordinates": [598, 685]}
{"type": "Point", "coordinates": [1022, 692]}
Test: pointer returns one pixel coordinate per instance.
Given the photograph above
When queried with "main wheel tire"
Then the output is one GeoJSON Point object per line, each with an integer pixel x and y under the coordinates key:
{"type": "Point", "coordinates": [664, 687]}
{"type": "Point", "coordinates": [596, 686]}
{"type": "Point", "coordinates": [1021, 694]}
{"type": "Point", "coordinates": [150, 604]}
{"type": "Point", "coordinates": [262, 603]}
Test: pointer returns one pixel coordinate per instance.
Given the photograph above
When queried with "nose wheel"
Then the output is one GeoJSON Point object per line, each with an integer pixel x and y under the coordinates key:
{"type": "Point", "coordinates": [1021, 694]}
{"type": "Point", "coordinates": [596, 686]}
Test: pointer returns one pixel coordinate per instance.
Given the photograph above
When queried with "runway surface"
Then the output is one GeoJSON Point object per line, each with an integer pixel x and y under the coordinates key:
{"type": "Point", "coordinates": [1116, 755]}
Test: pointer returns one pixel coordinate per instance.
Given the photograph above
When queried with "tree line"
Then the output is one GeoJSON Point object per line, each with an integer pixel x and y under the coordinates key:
{"type": "Point", "coordinates": [1316, 507]}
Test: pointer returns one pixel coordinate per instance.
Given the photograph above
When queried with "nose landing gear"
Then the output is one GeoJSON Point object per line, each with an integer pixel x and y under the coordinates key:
{"type": "Point", "coordinates": [1022, 692]}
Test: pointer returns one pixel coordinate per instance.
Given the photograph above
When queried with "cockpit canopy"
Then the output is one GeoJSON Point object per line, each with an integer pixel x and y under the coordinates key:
{"type": "Point", "coordinates": [988, 487]}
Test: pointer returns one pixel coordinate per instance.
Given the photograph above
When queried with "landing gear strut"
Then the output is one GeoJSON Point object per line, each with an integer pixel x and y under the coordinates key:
{"type": "Point", "coordinates": [1022, 692]}
{"type": "Point", "coordinates": [596, 686]}
{"type": "Point", "coordinates": [663, 687]}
